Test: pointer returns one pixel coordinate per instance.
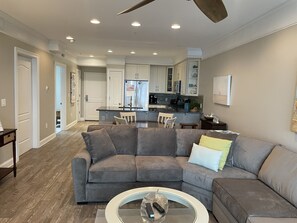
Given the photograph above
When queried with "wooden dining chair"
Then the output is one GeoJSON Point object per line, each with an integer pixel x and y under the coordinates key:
{"type": "Point", "coordinates": [120, 121]}
{"type": "Point", "coordinates": [163, 116]}
{"type": "Point", "coordinates": [129, 116]}
{"type": "Point", "coordinates": [169, 123]}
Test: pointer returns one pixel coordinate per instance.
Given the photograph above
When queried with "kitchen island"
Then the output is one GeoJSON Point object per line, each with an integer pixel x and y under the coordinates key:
{"type": "Point", "coordinates": [106, 114]}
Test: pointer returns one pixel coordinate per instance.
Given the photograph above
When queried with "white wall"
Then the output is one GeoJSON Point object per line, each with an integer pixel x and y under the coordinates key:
{"type": "Point", "coordinates": [263, 87]}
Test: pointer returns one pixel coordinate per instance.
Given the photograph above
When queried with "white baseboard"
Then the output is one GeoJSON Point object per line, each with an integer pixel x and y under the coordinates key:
{"type": "Point", "coordinates": [71, 125]}
{"type": "Point", "coordinates": [47, 139]}
{"type": "Point", "coordinates": [81, 119]}
{"type": "Point", "coordinates": [7, 163]}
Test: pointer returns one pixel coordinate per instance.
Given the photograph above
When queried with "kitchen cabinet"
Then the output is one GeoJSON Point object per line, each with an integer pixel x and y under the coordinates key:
{"type": "Point", "coordinates": [157, 79]}
{"type": "Point", "coordinates": [115, 87]}
{"type": "Point", "coordinates": [188, 73]}
{"type": "Point", "coordinates": [137, 72]}
{"type": "Point", "coordinates": [169, 79]}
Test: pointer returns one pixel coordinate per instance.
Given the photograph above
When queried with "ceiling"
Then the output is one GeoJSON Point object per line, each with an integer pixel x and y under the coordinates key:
{"type": "Point", "coordinates": [56, 19]}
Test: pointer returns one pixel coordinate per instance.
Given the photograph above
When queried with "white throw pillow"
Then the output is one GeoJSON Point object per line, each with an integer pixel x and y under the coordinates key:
{"type": "Point", "coordinates": [205, 157]}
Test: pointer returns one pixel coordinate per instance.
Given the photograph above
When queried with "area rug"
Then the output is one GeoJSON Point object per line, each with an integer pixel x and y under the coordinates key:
{"type": "Point", "coordinates": [134, 213]}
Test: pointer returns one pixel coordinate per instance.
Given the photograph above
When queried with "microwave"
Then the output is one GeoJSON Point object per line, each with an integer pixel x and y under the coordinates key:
{"type": "Point", "coordinates": [177, 86]}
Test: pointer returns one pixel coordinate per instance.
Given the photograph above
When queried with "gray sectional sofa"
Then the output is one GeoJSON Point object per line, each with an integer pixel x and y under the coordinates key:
{"type": "Point", "coordinates": [259, 185]}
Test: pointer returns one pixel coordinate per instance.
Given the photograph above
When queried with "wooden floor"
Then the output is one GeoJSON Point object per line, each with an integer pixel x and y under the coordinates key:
{"type": "Point", "coordinates": [43, 189]}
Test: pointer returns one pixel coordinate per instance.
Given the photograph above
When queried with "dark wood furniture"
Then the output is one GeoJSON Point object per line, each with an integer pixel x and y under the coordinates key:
{"type": "Point", "coordinates": [207, 124]}
{"type": "Point", "coordinates": [6, 137]}
{"type": "Point", "coordinates": [184, 125]}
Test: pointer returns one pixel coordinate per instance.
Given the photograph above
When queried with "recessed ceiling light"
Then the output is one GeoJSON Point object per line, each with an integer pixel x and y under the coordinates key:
{"type": "Point", "coordinates": [69, 37]}
{"type": "Point", "coordinates": [175, 26]}
{"type": "Point", "coordinates": [109, 51]}
{"type": "Point", "coordinates": [132, 52]}
{"type": "Point", "coordinates": [135, 24]}
{"type": "Point", "coordinates": [155, 53]}
{"type": "Point", "coordinates": [94, 21]}
{"type": "Point", "coordinates": [91, 55]}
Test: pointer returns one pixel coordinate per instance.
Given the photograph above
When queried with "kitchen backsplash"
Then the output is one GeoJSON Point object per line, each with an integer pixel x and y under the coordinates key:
{"type": "Point", "coordinates": [164, 99]}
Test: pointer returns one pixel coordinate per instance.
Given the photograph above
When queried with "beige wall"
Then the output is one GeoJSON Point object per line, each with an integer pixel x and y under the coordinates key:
{"type": "Point", "coordinates": [263, 87]}
{"type": "Point", "coordinates": [47, 98]}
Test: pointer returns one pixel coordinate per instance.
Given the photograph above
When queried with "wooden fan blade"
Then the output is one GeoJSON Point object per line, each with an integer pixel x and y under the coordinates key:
{"type": "Point", "coordinates": [140, 4]}
{"type": "Point", "coordinates": [214, 9]}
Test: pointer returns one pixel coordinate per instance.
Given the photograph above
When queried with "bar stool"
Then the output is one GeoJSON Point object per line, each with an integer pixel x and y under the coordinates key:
{"type": "Point", "coordinates": [163, 116]}
{"type": "Point", "coordinates": [129, 116]}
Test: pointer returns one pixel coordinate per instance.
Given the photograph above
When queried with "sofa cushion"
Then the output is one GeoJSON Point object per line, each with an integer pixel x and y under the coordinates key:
{"type": "Point", "coordinates": [217, 144]}
{"type": "Point", "coordinates": [156, 142]}
{"type": "Point", "coordinates": [118, 168]}
{"type": "Point", "coordinates": [279, 172]}
{"type": "Point", "coordinates": [158, 168]}
{"type": "Point", "coordinates": [124, 137]}
{"type": "Point", "coordinates": [246, 197]}
{"type": "Point", "coordinates": [249, 153]}
{"type": "Point", "coordinates": [185, 139]}
{"type": "Point", "coordinates": [202, 177]}
{"type": "Point", "coordinates": [99, 144]}
{"type": "Point", "coordinates": [225, 135]}
{"type": "Point", "coordinates": [206, 157]}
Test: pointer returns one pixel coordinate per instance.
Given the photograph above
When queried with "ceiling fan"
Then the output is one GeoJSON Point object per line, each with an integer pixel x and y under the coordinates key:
{"type": "Point", "coordinates": [213, 9]}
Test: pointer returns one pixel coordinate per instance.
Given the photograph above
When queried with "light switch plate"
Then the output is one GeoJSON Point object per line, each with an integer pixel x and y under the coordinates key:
{"type": "Point", "coordinates": [3, 102]}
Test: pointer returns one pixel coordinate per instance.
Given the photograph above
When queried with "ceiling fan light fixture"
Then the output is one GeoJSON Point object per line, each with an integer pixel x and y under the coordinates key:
{"type": "Point", "coordinates": [135, 24]}
{"type": "Point", "coordinates": [175, 26]}
{"type": "Point", "coordinates": [95, 21]}
{"type": "Point", "coordinates": [72, 40]}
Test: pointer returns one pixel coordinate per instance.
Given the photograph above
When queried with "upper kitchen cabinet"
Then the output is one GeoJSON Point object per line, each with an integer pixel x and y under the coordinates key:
{"type": "Point", "coordinates": [188, 73]}
{"type": "Point", "coordinates": [169, 79]}
{"type": "Point", "coordinates": [192, 83]}
{"type": "Point", "coordinates": [137, 72]}
{"type": "Point", "coordinates": [157, 79]}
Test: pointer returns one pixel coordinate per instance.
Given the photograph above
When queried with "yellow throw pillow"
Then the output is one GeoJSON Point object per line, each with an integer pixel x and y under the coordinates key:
{"type": "Point", "coordinates": [217, 144]}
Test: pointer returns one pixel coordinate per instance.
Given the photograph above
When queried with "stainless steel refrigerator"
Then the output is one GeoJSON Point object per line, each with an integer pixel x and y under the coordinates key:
{"type": "Point", "coordinates": [136, 94]}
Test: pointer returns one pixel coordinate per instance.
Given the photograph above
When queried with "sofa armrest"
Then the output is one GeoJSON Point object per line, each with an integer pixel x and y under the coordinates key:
{"type": "Point", "coordinates": [80, 168]}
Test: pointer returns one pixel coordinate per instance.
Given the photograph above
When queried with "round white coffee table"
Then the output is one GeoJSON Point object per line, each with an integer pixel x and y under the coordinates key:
{"type": "Point", "coordinates": [112, 208]}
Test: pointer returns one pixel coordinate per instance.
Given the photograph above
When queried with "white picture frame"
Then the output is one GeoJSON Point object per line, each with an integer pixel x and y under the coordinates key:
{"type": "Point", "coordinates": [222, 90]}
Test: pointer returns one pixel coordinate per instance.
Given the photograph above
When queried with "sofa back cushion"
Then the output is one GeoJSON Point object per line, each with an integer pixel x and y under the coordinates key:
{"type": "Point", "coordinates": [249, 153]}
{"type": "Point", "coordinates": [279, 172]}
{"type": "Point", "coordinates": [124, 137]}
{"type": "Point", "coordinates": [156, 142]}
{"type": "Point", "coordinates": [185, 139]}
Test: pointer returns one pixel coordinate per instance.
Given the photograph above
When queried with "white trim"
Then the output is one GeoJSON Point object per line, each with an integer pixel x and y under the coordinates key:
{"type": "Point", "coordinates": [82, 119]}
{"type": "Point", "coordinates": [47, 139]}
{"type": "Point", "coordinates": [71, 125]}
{"type": "Point", "coordinates": [7, 164]}
{"type": "Point", "coordinates": [35, 95]}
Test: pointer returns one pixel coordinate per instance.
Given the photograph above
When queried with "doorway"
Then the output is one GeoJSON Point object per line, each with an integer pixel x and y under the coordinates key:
{"type": "Point", "coordinates": [26, 91]}
{"type": "Point", "coordinates": [94, 94]}
{"type": "Point", "coordinates": [60, 96]}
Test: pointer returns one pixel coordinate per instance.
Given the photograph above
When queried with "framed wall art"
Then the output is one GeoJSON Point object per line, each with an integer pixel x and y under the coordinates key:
{"type": "Point", "coordinates": [222, 90]}
{"type": "Point", "coordinates": [72, 87]}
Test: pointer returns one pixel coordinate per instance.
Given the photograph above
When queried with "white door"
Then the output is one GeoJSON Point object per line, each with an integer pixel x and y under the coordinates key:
{"type": "Point", "coordinates": [115, 93]}
{"type": "Point", "coordinates": [24, 112]}
{"type": "Point", "coordinates": [94, 93]}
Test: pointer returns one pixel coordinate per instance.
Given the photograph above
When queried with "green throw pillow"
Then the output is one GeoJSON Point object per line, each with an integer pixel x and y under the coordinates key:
{"type": "Point", "coordinates": [217, 144]}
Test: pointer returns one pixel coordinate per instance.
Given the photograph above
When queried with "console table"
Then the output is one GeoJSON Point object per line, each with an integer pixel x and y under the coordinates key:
{"type": "Point", "coordinates": [207, 124]}
{"type": "Point", "coordinates": [6, 137]}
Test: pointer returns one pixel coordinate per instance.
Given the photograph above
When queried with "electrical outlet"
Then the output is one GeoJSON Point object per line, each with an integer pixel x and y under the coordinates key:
{"type": "Point", "coordinates": [3, 102]}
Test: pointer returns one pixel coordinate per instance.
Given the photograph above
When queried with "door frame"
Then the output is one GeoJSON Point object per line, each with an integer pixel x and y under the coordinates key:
{"type": "Point", "coordinates": [35, 94]}
{"type": "Point", "coordinates": [63, 95]}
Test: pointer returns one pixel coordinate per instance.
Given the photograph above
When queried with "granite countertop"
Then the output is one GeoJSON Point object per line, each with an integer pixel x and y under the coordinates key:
{"type": "Point", "coordinates": [168, 109]}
